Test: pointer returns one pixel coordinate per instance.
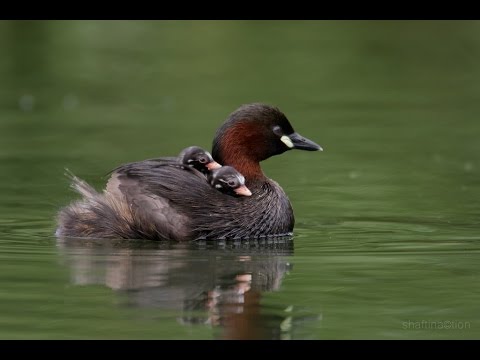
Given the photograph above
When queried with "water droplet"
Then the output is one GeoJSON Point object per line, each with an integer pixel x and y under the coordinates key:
{"type": "Point", "coordinates": [70, 102]}
{"type": "Point", "coordinates": [26, 102]}
{"type": "Point", "coordinates": [437, 158]}
{"type": "Point", "coordinates": [167, 103]}
{"type": "Point", "coordinates": [353, 174]}
{"type": "Point", "coordinates": [468, 166]}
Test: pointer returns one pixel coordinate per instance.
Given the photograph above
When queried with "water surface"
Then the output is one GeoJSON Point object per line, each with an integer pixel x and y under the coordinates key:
{"type": "Point", "coordinates": [386, 241]}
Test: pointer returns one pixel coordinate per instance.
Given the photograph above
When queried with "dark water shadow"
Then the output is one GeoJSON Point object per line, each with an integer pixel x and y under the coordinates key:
{"type": "Point", "coordinates": [218, 285]}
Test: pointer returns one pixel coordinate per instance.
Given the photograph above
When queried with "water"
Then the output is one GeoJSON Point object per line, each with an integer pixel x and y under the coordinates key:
{"type": "Point", "coordinates": [387, 234]}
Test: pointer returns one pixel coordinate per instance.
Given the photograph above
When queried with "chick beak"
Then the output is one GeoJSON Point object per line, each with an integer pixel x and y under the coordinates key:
{"type": "Point", "coordinates": [243, 190]}
{"type": "Point", "coordinates": [213, 165]}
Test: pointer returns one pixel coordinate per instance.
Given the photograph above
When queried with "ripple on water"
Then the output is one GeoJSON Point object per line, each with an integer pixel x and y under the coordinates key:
{"type": "Point", "coordinates": [387, 235]}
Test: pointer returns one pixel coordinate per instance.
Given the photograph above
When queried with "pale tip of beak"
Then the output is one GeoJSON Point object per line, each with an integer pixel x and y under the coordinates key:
{"type": "Point", "coordinates": [213, 165]}
{"type": "Point", "coordinates": [243, 190]}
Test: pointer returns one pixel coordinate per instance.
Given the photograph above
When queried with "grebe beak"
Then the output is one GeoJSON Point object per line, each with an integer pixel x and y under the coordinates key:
{"type": "Point", "coordinates": [213, 165]}
{"type": "Point", "coordinates": [297, 141]}
{"type": "Point", "coordinates": [243, 190]}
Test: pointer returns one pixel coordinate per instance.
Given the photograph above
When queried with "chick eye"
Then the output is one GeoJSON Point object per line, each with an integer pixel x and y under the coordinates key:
{"type": "Point", "coordinates": [202, 160]}
{"type": "Point", "coordinates": [277, 130]}
{"type": "Point", "coordinates": [231, 183]}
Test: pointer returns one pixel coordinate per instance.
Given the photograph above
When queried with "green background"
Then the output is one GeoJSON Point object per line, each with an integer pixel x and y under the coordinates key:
{"type": "Point", "coordinates": [387, 217]}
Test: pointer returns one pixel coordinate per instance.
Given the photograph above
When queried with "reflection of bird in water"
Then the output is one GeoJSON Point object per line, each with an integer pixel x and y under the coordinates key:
{"type": "Point", "coordinates": [218, 285]}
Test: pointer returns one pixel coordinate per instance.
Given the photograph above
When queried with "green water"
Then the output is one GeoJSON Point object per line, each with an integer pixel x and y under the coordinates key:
{"type": "Point", "coordinates": [387, 234]}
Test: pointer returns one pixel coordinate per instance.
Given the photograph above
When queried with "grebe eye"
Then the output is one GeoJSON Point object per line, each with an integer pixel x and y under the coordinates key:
{"type": "Point", "coordinates": [277, 130]}
{"type": "Point", "coordinates": [231, 183]}
{"type": "Point", "coordinates": [202, 160]}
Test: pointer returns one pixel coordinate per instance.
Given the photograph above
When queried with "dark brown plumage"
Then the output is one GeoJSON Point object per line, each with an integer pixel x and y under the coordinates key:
{"type": "Point", "coordinates": [159, 199]}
